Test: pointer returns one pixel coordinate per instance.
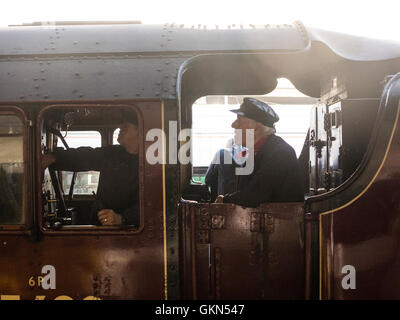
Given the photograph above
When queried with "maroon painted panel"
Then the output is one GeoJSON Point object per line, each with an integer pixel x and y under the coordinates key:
{"type": "Point", "coordinates": [365, 235]}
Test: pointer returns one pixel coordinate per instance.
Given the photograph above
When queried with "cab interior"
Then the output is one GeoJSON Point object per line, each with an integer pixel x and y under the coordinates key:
{"type": "Point", "coordinates": [68, 197]}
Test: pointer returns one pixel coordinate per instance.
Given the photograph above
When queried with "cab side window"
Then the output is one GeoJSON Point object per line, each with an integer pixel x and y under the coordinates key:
{"type": "Point", "coordinates": [11, 170]}
{"type": "Point", "coordinates": [88, 181]}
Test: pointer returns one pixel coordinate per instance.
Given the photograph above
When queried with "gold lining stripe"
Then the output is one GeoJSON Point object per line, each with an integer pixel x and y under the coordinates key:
{"type": "Point", "coordinates": [353, 200]}
{"type": "Point", "coordinates": [164, 203]}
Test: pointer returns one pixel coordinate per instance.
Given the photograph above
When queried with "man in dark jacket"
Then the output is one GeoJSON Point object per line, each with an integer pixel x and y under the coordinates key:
{"type": "Point", "coordinates": [220, 175]}
{"type": "Point", "coordinates": [276, 176]}
{"type": "Point", "coordinates": [118, 189]}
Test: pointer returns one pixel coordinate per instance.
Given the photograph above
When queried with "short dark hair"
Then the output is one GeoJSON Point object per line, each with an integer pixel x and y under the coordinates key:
{"type": "Point", "coordinates": [129, 116]}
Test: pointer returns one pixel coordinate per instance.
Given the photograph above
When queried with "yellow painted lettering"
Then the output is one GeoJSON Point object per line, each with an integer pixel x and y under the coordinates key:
{"type": "Point", "coordinates": [31, 281]}
{"type": "Point", "coordinates": [92, 298]}
{"type": "Point", "coordinates": [63, 298]}
{"type": "Point", "coordinates": [40, 279]}
{"type": "Point", "coordinates": [9, 297]}
{"type": "Point", "coordinates": [40, 297]}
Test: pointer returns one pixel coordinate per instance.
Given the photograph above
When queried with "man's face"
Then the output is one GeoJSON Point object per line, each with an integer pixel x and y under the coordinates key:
{"type": "Point", "coordinates": [128, 136]}
{"type": "Point", "coordinates": [242, 123]}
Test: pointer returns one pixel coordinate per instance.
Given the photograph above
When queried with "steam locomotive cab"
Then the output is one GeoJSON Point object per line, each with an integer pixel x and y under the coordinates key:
{"type": "Point", "coordinates": [73, 92]}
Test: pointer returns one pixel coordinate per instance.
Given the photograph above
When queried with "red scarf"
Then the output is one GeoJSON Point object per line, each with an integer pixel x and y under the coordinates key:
{"type": "Point", "coordinates": [257, 146]}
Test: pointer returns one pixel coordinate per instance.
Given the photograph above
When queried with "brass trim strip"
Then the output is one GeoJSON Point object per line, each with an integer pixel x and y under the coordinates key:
{"type": "Point", "coordinates": [164, 204]}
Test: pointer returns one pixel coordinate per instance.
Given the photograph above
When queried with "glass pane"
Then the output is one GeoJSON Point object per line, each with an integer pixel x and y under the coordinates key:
{"type": "Point", "coordinates": [85, 182]}
{"type": "Point", "coordinates": [115, 136]}
{"type": "Point", "coordinates": [11, 170]}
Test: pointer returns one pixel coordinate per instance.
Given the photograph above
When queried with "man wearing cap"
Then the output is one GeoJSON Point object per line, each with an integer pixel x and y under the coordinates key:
{"type": "Point", "coordinates": [118, 189]}
{"type": "Point", "coordinates": [276, 176]}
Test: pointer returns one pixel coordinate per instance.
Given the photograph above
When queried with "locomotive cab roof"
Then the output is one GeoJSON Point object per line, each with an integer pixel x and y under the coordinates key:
{"type": "Point", "coordinates": [72, 62]}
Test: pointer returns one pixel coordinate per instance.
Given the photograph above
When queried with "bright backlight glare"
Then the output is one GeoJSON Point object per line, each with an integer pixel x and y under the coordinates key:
{"type": "Point", "coordinates": [378, 19]}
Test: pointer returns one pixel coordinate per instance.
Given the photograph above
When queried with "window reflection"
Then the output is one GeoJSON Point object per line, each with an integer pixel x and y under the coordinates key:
{"type": "Point", "coordinates": [11, 170]}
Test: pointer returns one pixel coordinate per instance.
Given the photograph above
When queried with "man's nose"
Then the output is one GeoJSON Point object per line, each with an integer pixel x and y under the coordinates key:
{"type": "Point", "coordinates": [234, 124]}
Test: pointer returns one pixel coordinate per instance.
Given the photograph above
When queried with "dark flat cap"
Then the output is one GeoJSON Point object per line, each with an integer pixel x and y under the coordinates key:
{"type": "Point", "coordinates": [257, 110]}
{"type": "Point", "coordinates": [129, 116]}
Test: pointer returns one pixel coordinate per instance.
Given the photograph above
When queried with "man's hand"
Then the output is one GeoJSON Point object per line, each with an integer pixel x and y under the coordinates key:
{"type": "Point", "coordinates": [108, 217]}
{"type": "Point", "coordinates": [220, 199]}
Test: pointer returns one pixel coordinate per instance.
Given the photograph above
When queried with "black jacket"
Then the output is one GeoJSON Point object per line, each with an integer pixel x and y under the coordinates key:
{"type": "Point", "coordinates": [118, 187]}
{"type": "Point", "coordinates": [275, 178]}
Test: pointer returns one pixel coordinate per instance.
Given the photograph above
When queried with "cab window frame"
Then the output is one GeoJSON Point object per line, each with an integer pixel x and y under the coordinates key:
{"type": "Point", "coordinates": [27, 213]}
{"type": "Point", "coordinates": [94, 229]}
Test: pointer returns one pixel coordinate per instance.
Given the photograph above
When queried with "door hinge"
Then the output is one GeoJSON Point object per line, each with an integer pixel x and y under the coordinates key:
{"type": "Point", "coordinates": [205, 222]}
{"type": "Point", "coordinates": [262, 222]}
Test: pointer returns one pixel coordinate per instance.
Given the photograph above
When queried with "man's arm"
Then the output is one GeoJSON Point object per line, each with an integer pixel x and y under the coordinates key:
{"type": "Point", "coordinates": [80, 159]}
{"type": "Point", "coordinates": [131, 216]}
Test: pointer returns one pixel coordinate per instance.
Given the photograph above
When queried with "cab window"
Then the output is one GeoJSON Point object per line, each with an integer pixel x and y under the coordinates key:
{"type": "Point", "coordinates": [212, 119]}
{"type": "Point", "coordinates": [90, 181]}
{"type": "Point", "coordinates": [12, 182]}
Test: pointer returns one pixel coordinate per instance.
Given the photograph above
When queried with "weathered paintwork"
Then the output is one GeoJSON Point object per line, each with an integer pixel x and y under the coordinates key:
{"type": "Point", "coordinates": [231, 252]}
